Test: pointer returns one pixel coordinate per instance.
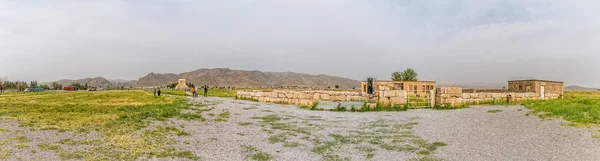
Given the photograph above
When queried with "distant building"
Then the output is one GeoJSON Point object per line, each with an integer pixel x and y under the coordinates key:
{"type": "Point", "coordinates": [34, 89]}
{"type": "Point", "coordinates": [70, 88]}
{"type": "Point", "coordinates": [181, 84]}
{"type": "Point", "coordinates": [416, 87]}
{"type": "Point", "coordinates": [540, 87]}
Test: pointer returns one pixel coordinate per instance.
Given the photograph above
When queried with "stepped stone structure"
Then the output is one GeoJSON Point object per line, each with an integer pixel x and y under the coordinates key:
{"type": "Point", "coordinates": [181, 84]}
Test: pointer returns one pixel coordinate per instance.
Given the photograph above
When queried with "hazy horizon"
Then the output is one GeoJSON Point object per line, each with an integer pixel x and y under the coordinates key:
{"type": "Point", "coordinates": [449, 41]}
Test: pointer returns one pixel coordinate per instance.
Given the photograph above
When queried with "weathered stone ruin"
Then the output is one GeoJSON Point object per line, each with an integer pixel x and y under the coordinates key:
{"type": "Point", "coordinates": [399, 93]}
{"type": "Point", "coordinates": [181, 84]}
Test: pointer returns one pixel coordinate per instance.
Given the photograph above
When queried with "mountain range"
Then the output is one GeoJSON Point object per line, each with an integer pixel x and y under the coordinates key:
{"type": "Point", "coordinates": [242, 78]}
{"type": "Point", "coordinates": [94, 82]}
{"type": "Point", "coordinates": [222, 77]}
{"type": "Point", "coordinates": [579, 88]}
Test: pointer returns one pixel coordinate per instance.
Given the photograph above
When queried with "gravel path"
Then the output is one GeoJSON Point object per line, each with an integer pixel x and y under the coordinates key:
{"type": "Point", "coordinates": [470, 134]}
{"type": "Point", "coordinates": [476, 134]}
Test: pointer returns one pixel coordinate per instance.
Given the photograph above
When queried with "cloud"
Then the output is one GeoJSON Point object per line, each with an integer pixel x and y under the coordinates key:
{"type": "Point", "coordinates": [452, 41]}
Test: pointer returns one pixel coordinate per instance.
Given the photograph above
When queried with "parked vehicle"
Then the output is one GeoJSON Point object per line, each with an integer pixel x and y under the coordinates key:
{"type": "Point", "coordinates": [70, 88]}
{"type": "Point", "coordinates": [34, 89]}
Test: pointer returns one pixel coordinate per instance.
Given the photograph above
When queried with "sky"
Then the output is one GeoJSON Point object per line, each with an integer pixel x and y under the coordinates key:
{"type": "Point", "coordinates": [449, 41]}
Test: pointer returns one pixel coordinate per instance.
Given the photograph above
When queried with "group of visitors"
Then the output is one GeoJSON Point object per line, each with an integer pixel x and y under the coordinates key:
{"type": "Point", "coordinates": [155, 91]}
{"type": "Point", "coordinates": [194, 91]}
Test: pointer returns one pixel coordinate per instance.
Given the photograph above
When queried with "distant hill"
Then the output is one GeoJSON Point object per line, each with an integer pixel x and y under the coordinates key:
{"type": "Point", "coordinates": [579, 88]}
{"type": "Point", "coordinates": [242, 78]}
{"type": "Point", "coordinates": [94, 82]}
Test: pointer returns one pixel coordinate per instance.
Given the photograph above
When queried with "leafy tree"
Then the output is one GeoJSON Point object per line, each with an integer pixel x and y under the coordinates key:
{"type": "Point", "coordinates": [407, 75]}
{"type": "Point", "coordinates": [46, 87]}
{"type": "Point", "coordinates": [172, 85]}
{"type": "Point", "coordinates": [77, 85]}
{"type": "Point", "coordinates": [190, 85]}
{"type": "Point", "coordinates": [56, 86]}
{"type": "Point", "coordinates": [33, 84]}
{"type": "Point", "coordinates": [397, 76]}
{"type": "Point", "coordinates": [337, 86]}
{"type": "Point", "coordinates": [21, 85]}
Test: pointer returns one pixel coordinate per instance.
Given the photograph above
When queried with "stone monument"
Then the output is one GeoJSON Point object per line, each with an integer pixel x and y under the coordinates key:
{"type": "Point", "coordinates": [181, 84]}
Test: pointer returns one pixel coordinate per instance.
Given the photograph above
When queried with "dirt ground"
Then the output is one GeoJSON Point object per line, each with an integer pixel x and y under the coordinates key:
{"type": "Point", "coordinates": [244, 130]}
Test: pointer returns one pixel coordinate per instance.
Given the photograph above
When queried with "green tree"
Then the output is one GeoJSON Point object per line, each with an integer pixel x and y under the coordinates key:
{"type": "Point", "coordinates": [397, 76]}
{"type": "Point", "coordinates": [77, 85]}
{"type": "Point", "coordinates": [33, 84]}
{"type": "Point", "coordinates": [407, 75]}
{"type": "Point", "coordinates": [21, 85]}
{"type": "Point", "coordinates": [56, 86]}
{"type": "Point", "coordinates": [45, 87]}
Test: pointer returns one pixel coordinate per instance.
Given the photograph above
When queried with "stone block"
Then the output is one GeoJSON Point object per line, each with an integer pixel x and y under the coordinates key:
{"type": "Point", "coordinates": [396, 100]}
{"type": "Point", "coordinates": [389, 93]}
{"type": "Point", "coordinates": [325, 96]}
{"type": "Point", "coordinates": [301, 95]}
{"type": "Point", "coordinates": [384, 101]}
{"type": "Point", "coordinates": [496, 95]}
{"type": "Point", "coordinates": [520, 95]}
{"type": "Point", "coordinates": [466, 95]}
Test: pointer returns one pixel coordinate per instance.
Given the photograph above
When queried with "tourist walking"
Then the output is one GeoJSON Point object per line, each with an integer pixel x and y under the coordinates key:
{"type": "Point", "coordinates": [158, 92]}
{"type": "Point", "coordinates": [196, 89]}
{"type": "Point", "coordinates": [205, 91]}
{"type": "Point", "coordinates": [154, 89]}
{"type": "Point", "coordinates": [193, 92]}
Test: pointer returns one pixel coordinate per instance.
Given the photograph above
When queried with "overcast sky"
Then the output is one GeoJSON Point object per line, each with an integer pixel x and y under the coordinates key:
{"type": "Point", "coordinates": [450, 41]}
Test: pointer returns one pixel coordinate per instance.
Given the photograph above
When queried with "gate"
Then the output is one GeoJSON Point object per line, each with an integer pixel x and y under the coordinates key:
{"type": "Point", "coordinates": [421, 100]}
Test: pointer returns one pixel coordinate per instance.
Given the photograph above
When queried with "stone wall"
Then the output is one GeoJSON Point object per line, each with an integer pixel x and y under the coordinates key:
{"type": "Point", "coordinates": [391, 97]}
{"type": "Point", "coordinates": [448, 96]}
{"type": "Point", "coordinates": [485, 90]}
{"type": "Point", "coordinates": [305, 98]}
{"type": "Point", "coordinates": [492, 97]}
{"type": "Point", "coordinates": [455, 96]}
{"type": "Point", "coordinates": [308, 97]}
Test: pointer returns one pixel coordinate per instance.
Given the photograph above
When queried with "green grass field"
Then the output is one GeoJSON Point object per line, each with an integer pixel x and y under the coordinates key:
{"type": "Point", "coordinates": [119, 116]}
{"type": "Point", "coordinates": [578, 107]}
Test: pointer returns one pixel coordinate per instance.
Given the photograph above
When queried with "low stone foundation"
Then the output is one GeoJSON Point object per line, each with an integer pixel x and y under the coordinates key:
{"type": "Point", "coordinates": [308, 97]}
{"type": "Point", "coordinates": [303, 98]}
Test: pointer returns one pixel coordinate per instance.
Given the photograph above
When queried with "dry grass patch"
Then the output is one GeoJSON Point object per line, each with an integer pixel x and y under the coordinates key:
{"type": "Point", "coordinates": [116, 115]}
